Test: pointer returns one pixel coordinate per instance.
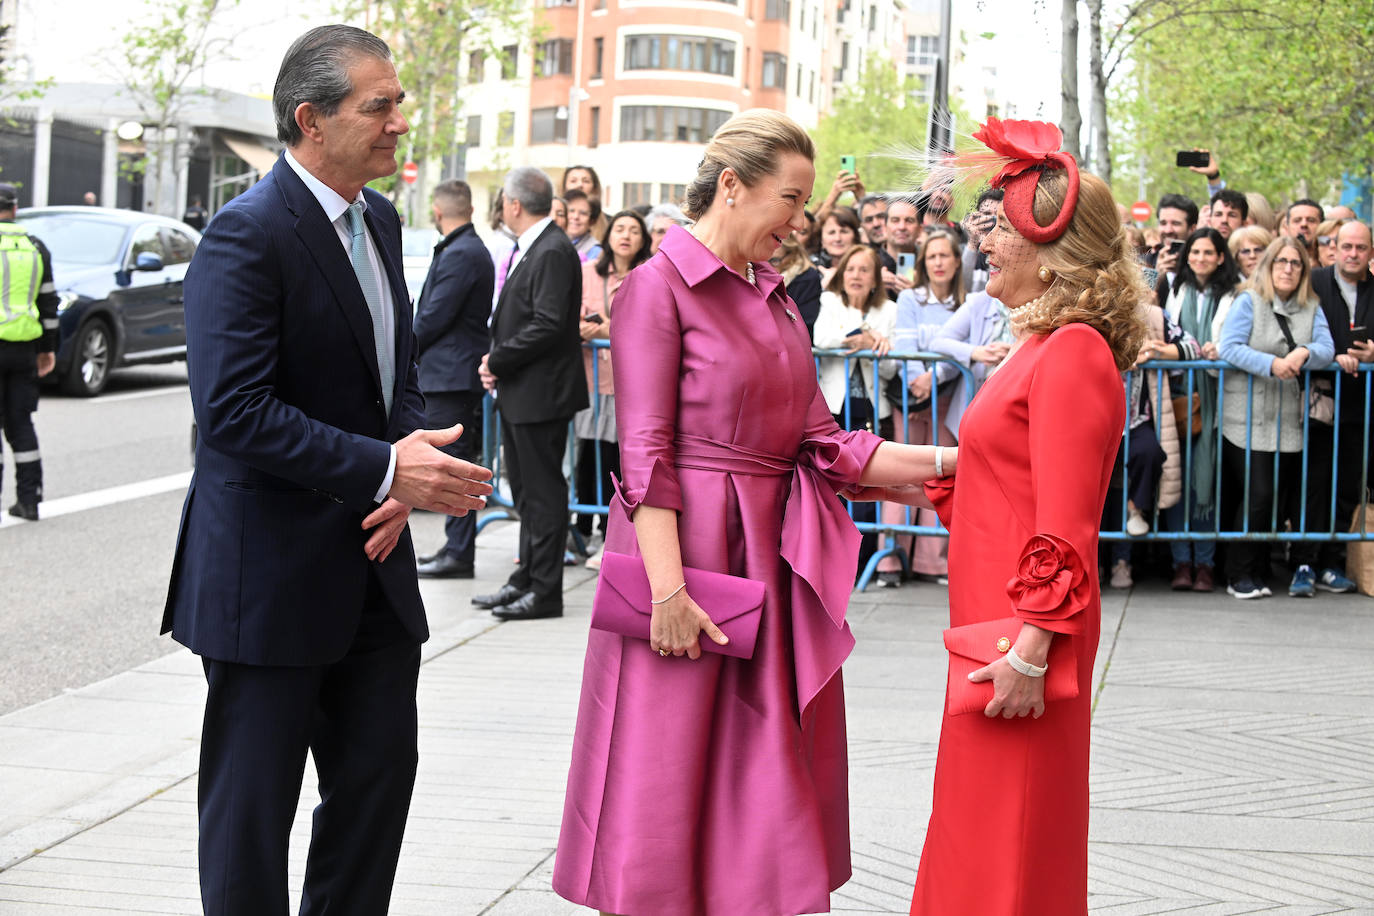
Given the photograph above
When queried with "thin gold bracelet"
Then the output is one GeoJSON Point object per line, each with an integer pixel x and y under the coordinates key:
{"type": "Point", "coordinates": [670, 595]}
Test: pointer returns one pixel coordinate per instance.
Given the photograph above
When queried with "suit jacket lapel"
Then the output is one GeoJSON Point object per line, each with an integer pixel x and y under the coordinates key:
{"type": "Point", "coordinates": [511, 277]}
{"type": "Point", "coordinates": [322, 241]}
{"type": "Point", "coordinates": [1364, 301]}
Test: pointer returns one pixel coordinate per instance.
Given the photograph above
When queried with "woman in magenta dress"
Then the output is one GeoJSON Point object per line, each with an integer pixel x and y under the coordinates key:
{"type": "Point", "coordinates": [1008, 832]}
{"type": "Point", "coordinates": [703, 785]}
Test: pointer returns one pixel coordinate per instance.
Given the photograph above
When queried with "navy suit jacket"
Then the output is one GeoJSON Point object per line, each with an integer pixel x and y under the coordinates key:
{"type": "Point", "coordinates": [293, 435]}
{"type": "Point", "coordinates": [451, 318]}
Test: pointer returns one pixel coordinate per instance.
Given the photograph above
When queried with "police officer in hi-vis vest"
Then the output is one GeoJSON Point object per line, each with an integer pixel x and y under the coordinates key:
{"type": "Point", "coordinates": [28, 345]}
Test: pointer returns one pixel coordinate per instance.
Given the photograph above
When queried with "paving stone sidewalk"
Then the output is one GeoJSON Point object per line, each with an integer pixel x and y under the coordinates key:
{"type": "Point", "coordinates": [1233, 761]}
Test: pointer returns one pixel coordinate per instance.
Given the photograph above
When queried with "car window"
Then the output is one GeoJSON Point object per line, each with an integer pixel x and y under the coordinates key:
{"type": "Point", "coordinates": [146, 238]}
{"type": "Point", "coordinates": [418, 243]}
{"type": "Point", "coordinates": [178, 245]}
{"type": "Point", "coordinates": [76, 240]}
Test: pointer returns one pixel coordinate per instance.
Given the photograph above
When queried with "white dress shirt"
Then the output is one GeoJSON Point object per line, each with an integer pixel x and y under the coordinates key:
{"type": "Point", "coordinates": [335, 207]}
{"type": "Point", "coordinates": [526, 240]}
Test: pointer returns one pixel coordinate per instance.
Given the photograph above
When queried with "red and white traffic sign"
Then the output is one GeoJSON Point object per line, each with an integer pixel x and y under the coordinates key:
{"type": "Point", "coordinates": [1140, 210]}
{"type": "Point", "coordinates": [410, 173]}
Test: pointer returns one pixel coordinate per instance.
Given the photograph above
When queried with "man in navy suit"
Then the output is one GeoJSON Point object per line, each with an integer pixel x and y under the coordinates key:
{"type": "Point", "coordinates": [451, 335]}
{"type": "Point", "coordinates": [294, 576]}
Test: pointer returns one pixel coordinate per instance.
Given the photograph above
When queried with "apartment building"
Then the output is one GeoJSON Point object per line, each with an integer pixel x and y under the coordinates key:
{"type": "Point", "coordinates": [635, 88]}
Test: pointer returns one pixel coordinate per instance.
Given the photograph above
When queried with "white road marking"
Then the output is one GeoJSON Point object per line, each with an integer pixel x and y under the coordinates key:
{"type": "Point", "coordinates": [136, 395]}
{"type": "Point", "coordinates": [80, 502]}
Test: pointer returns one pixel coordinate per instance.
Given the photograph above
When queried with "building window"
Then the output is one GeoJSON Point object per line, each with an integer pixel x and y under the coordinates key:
{"type": "Point", "coordinates": [669, 124]}
{"type": "Point", "coordinates": [638, 193]}
{"type": "Point", "coordinates": [811, 94]}
{"type": "Point", "coordinates": [598, 56]}
{"type": "Point", "coordinates": [672, 193]}
{"type": "Point", "coordinates": [547, 127]}
{"type": "Point", "coordinates": [477, 63]}
{"type": "Point", "coordinates": [816, 24]}
{"type": "Point", "coordinates": [799, 81]}
{"type": "Point", "coordinates": [747, 70]}
{"type": "Point", "coordinates": [801, 15]}
{"type": "Point", "coordinates": [505, 129]}
{"type": "Point", "coordinates": [594, 140]}
{"type": "Point", "coordinates": [474, 132]}
{"type": "Point", "coordinates": [922, 50]}
{"type": "Point", "coordinates": [777, 9]}
{"type": "Point", "coordinates": [680, 52]}
{"type": "Point", "coordinates": [510, 62]}
{"type": "Point", "coordinates": [774, 70]}
{"type": "Point", "coordinates": [873, 18]}
{"type": "Point", "coordinates": [555, 57]}
{"type": "Point", "coordinates": [550, 4]}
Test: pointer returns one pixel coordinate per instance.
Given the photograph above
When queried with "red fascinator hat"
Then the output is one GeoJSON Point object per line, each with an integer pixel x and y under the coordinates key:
{"type": "Point", "coordinates": [1027, 150]}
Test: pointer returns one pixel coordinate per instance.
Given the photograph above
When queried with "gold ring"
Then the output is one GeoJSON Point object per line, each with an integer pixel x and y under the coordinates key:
{"type": "Point", "coordinates": [663, 652]}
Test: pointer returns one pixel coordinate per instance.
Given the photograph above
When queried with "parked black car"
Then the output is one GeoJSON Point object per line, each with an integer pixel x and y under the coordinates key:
{"type": "Point", "coordinates": [118, 273]}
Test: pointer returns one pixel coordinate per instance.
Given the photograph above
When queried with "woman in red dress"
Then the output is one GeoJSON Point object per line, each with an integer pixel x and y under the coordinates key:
{"type": "Point", "coordinates": [1008, 830]}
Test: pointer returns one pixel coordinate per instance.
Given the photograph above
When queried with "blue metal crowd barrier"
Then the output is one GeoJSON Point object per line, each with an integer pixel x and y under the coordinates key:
{"type": "Point", "coordinates": [1195, 373]}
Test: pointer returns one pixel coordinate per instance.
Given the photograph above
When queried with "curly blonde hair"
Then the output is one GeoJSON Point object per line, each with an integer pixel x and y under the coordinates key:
{"type": "Point", "coordinates": [1097, 281]}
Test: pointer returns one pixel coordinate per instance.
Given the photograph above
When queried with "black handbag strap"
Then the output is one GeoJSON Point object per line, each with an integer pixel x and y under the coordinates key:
{"type": "Point", "coordinates": [1287, 332]}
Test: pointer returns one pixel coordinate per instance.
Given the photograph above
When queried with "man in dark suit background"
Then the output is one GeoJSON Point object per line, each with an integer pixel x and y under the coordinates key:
{"type": "Point", "coordinates": [535, 368]}
{"type": "Point", "coordinates": [451, 337]}
{"type": "Point", "coordinates": [294, 577]}
{"type": "Point", "coordinates": [1346, 293]}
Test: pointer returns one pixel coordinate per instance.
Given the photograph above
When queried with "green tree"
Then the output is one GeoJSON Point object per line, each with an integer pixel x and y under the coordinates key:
{"type": "Point", "coordinates": [879, 121]}
{"type": "Point", "coordinates": [160, 61]}
{"type": "Point", "coordinates": [1279, 90]}
{"type": "Point", "coordinates": [432, 41]}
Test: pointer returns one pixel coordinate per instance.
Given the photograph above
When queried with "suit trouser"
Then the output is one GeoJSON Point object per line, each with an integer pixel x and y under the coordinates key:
{"type": "Point", "coordinates": [357, 718]}
{"type": "Point", "coordinates": [534, 467]}
{"type": "Point", "coordinates": [18, 401]}
{"type": "Point", "coordinates": [442, 410]}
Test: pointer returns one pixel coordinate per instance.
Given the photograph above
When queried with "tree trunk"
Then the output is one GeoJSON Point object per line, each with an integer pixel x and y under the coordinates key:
{"type": "Point", "coordinates": [1102, 154]}
{"type": "Point", "coordinates": [1070, 120]}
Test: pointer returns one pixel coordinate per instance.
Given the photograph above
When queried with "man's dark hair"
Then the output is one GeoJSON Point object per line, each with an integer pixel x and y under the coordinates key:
{"type": "Point", "coordinates": [315, 70]}
{"type": "Point", "coordinates": [532, 188]}
{"type": "Point", "coordinates": [1233, 199]}
{"type": "Point", "coordinates": [1179, 202]}
{"type": "Point", "coordinates": [987, 195]}
{"type": "Point", "coordinates": [9, 197]}
{"type": "Point", "coordinates": [454, 198]}
{"type": "Point", "coordinates": [869, 200]}
{"type": "Point", "coordinates": [1308, 202]}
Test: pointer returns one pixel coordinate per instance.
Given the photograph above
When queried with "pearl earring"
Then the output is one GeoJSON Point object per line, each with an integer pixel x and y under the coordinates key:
{"type": "Point", "coordinates": [729, 201]}
{"type": "Point", "coordinates": [1045, 274]}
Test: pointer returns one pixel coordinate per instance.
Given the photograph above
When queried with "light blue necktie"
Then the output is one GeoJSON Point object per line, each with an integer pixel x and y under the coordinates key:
{"type": "Point", "coordinates": [373, 294]}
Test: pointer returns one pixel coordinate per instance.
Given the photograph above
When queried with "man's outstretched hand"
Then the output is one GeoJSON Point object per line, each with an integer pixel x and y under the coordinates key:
{"type": "Point", "coordinates": [426, 478]}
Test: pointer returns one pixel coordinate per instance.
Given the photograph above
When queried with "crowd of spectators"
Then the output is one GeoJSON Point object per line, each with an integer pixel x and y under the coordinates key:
{"type": "Point", "coordinates": [1272, 292]}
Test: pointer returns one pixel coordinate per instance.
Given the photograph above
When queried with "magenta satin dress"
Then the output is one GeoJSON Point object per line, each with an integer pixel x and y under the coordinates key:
{"type": "Point", "coordinates": [720, 787]}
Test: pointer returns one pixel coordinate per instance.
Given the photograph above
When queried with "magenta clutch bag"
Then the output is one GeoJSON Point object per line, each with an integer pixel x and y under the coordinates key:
{"type": "Point", "coordinates": [978, 644]}
{"type": "Point", "coordinates": [622, 603]}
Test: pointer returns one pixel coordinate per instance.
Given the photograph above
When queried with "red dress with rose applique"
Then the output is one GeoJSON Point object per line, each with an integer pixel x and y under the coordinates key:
{"type": "Point", "coordinates": [1008, 832]}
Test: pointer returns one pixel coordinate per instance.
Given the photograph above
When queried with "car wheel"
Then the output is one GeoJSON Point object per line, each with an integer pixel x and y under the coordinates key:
{"type": "Point", "coordinates": [91, 358]}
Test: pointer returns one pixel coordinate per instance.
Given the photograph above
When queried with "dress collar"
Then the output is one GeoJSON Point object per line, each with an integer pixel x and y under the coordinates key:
{"type": "Point", "coordinates": [695, 262]}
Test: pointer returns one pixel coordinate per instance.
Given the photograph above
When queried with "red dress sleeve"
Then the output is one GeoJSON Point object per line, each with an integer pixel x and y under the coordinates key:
{"type": "Point", "coordinates": [1077, 410]}
{"type": "Point", "coordinates": [646, 349]}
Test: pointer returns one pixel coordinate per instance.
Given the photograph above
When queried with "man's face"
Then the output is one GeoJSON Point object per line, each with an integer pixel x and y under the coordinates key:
{"type": "Point", "coordinates": [1226, 218]}
{"type": "Point", "coordinates": [359, 140]}
{"type": "Point", "coordinates": [874, 218]}
{"type": "Point", "coordinates": [1303, 221]}
{"type": "Point", "coordinates": [1173, 223]}
{"type": "Point", "coordinates": [902, 226]}
{"type": "Point", "coordinates": [1353, 251]}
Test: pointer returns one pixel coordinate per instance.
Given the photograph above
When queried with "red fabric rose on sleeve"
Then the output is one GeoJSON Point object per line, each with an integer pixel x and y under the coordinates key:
{"type": "Point", "coordinates": [1051, 586]}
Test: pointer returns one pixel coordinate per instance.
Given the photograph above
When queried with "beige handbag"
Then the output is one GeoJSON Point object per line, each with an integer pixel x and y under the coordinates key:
{"type": "Point", "coordinates": [1359, 555]}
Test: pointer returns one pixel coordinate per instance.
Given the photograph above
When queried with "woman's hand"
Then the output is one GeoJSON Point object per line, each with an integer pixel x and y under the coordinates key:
{"type": "Point", "coordinates": [1210, 351]}
{"type": "Point", "coordinates": [879, 344]}
{"type": "Point", "coordinates": [589, 330]}
{"type": "Point", "coordinates": [1015, 694]}
{"type": "Point", "coordinates": [1282, 368]}
{"type": "Point", "coordinates": [676, 626]}
{"type": "Point", "coordinates": [1348, 363]}
{"type": "Point", "coordinates": [920, 386]}
{"type": "Point", "coordinates": [991, 354]}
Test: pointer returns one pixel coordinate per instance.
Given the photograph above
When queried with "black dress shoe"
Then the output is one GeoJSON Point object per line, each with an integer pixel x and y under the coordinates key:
{"type": "Point", "coordinates": [444, 566]}
{"type": "Point", "coordinates": [429, 557]}
{"type": "Point", "coordinates": [25, 510]}
{"type": "Point", "coordinates": [506, 595]}
{"type": "Point", "coordinates": [527, 607]}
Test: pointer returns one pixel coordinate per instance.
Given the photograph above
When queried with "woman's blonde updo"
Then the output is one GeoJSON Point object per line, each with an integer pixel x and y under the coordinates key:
{"type": "Point", "coordinates": [1096, 279]}
{"type": "Point", "coordinates": [751, 143]}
